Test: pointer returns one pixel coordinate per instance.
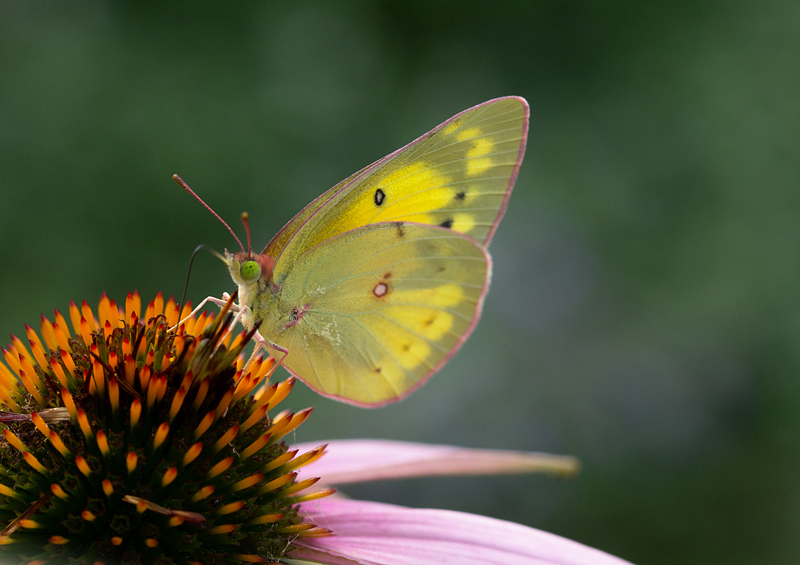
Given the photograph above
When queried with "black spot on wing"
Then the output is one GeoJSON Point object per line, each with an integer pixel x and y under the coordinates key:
{"type": "Point", "coordinates": [448, 223]}
{"type": "Point", "coordinates": [461, 195]}
{"type": "Point", "coordinates": [380, 197]}
{"type": "Point", "coordinates": [401, 230]}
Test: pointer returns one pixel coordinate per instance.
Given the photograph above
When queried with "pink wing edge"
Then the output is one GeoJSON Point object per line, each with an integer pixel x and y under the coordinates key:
{"type": "Point", "coordinates": [475, 317]}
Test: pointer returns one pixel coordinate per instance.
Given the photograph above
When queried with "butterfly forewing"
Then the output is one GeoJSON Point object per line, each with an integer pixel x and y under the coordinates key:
{"type": "Point", "coordinates": [458, 176]}
{"type": "Point", "coordinates": [368, 315]}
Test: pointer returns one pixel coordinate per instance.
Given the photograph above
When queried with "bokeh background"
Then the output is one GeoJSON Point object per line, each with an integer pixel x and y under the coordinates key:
{"type": "Point", "coordinates": [644, 314]}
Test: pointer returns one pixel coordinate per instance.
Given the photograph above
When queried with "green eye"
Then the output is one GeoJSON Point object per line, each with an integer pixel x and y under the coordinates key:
{"type": "Point", "coordinates": [250, 270]}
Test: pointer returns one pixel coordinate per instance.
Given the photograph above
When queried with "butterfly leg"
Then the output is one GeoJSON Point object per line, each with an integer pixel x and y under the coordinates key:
{"type": "Point", "coordinates": [262, 343]}
{"type": "Point", "coordinates": [213, 300]}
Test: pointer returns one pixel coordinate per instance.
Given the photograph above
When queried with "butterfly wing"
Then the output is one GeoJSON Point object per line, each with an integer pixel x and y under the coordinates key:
{"type": "Point", "coordinates": [370, 314]}
{"type": "Point", "coordinates": [458, 176]}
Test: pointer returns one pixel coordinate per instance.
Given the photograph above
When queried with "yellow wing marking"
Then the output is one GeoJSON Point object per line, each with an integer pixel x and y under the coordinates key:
{"type": "Point", "coordinates": [405, 181]}
{"type": "Point", "coordinates": [430, 323]}
{"type": "Point", "coordinates": [467, 134]}
{"type": "Point", "coordinates": [477, 162]}
{"type": "Point", "coordinates": [441, 296]}
{"type": "Point", "coordinates": [413, 190]}
{"type": "Point", "coordinates": [408, 353]}
{"type": "Point", "coordinates": [451, 128]}
{"type": "Point", "coordinates": [463, 222]}
{"type": "Point", "coordinates": [409, 179]}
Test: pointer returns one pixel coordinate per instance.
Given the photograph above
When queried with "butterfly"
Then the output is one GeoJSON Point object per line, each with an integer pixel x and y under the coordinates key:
{"type": "Point", "coordinates": [375, 285]}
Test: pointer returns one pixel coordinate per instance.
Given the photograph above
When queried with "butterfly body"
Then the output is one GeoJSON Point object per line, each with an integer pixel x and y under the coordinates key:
{"type": "Point", "coordinates": [376, 284]}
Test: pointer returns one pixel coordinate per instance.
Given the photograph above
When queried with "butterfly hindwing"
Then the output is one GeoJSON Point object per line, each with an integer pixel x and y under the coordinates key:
{"type": "Point", "coordinates": [370, 314]}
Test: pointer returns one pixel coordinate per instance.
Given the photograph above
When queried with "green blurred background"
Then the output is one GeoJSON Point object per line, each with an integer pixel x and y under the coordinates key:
{"type": "Point", "coordinates": [643, 314]}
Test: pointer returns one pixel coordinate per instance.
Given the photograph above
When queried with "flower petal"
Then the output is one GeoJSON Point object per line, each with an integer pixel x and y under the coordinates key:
{"type": "Point", "coordinates": [356, 461]}
{"type": "Point", "coordinates": [373, 533]}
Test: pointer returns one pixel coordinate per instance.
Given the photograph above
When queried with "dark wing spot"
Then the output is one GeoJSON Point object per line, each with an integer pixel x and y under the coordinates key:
{"type": "Point", "coordinates": [377, 369]}
{"type": "Point", "coordinates": [441, 269]}
{"type": "Point", "coordinates": [430, 321]}
{"type": "Point", "coordinates": [448, 223]}
{"type": "Point", "coordinates": [296, 315]}
{"type": "Point", "coordinates": [387, 275]}
{"type": "Point", "coordinates": [381, 289]}
{"type": "Point", "coordinates": [406, 346]}
{"type": "Point", "coordinates": [380, 196]}
{"type": "Point", "coordinates": [401, 230]}
{"type": "Point", "coordinates": [461, 195]}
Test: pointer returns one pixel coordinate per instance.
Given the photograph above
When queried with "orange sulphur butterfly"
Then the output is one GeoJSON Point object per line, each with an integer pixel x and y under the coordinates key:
{"type": "Point", "coordinates": [372, 287]}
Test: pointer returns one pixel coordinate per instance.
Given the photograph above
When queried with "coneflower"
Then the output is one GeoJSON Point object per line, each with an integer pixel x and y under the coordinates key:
{"type": "Point", "coordinates": [128, 440]}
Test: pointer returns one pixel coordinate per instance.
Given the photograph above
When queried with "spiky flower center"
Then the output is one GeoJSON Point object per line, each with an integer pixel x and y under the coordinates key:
{"type": "Point", "coordinates": [133, 442]}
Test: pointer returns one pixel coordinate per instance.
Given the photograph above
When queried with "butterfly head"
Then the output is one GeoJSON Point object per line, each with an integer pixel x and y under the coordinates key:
{"type": "Point", "coordinates": [249, 269]}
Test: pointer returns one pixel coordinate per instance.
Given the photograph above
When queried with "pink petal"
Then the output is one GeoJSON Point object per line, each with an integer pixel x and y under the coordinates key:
{"type": "Point", "coordinates": [372, 533]}
{"type": "Point", "coordinates": [361, 460]}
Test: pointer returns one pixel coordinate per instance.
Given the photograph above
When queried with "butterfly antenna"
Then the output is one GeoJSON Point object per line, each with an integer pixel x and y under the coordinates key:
{"type": "Point", "coordinates": [246, 222]}
{"type": "Point", "coordinates": [200, 247]}
{"type": "Point", "coordinates": [185, 186]}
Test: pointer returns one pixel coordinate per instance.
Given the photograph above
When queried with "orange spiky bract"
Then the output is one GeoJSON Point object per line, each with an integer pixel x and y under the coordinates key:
{"type": "Point", "coordinates": [130, 446]}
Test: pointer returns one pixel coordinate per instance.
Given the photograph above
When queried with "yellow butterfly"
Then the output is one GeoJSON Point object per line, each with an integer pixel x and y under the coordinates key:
{"type": "Point", "coordinates": [373, 286]}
